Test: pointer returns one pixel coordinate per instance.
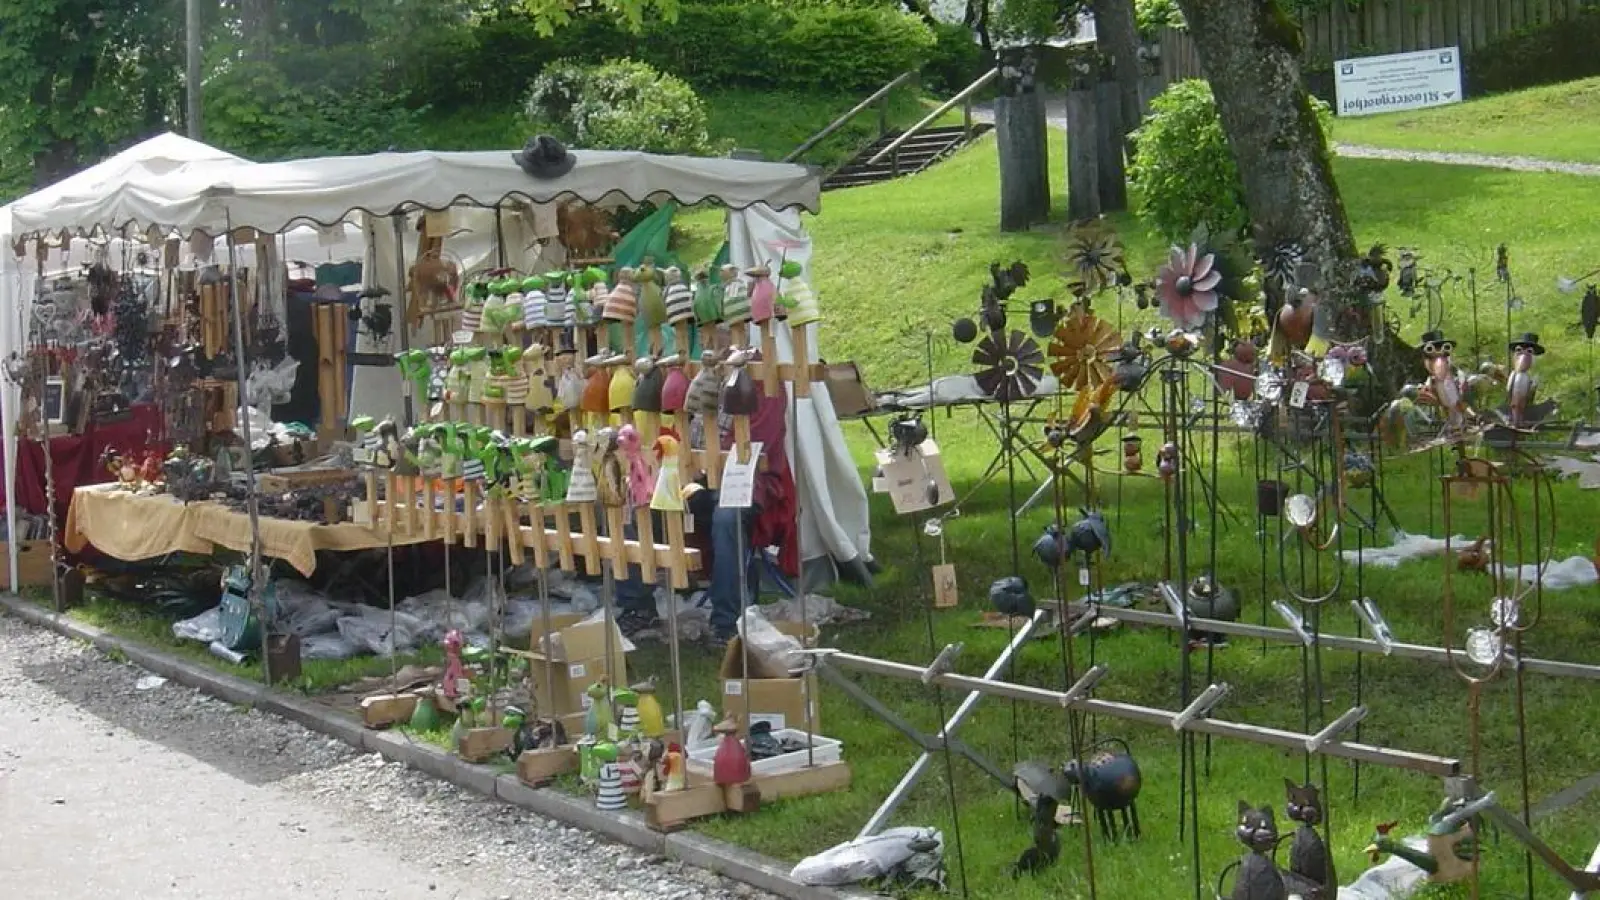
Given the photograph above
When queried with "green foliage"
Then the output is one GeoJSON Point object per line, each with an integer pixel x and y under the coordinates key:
{"type": "Point", "coordinates": [714, 46]}
{"type": "Point", "coordinates": [1183, 168]}
{"type": "Point", "coordinates": [955, 61]}
{"type": "Point", "coordinates": [620, 105]}
{"type": "Point", "coordinates": [1542, 54]}
{"type": "Point", "coordinates": [552, 15]}
{"type": "Point", "coordinates": [256, 110]}
{"type": "Point", "coordinates": [1153, 15]}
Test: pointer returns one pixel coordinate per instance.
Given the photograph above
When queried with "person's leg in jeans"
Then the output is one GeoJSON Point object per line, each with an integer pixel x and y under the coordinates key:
{"type": "Point", "coordinates": [730, 551]}
{"type": "Point", "coordinates": [636, 600]}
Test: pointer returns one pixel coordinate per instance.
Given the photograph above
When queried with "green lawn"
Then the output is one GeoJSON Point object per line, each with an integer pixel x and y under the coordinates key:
{"type": "Point", "coordinates": [1551, 122]}
{"type": "Point", "coordinates": [772, 124]}
{"type": "Point", "coordinates": [897, 260]}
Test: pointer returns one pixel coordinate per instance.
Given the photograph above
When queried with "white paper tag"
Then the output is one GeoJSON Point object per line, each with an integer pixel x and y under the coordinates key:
{"type": "Point", "coordinates": [777, 720]}
{"type": "Point", "coordinates": [1083, 577]}
{"type": "Point", "coordinates": [462, 337]}
{"type": "Point", "coordinates": [576, 671]}
{"type": "Point", "coordinates": [732, 688]}
{"type": "Point", "coordinates": [739, 479]}
{"type": "Point", "coordinates": [1298, 396]}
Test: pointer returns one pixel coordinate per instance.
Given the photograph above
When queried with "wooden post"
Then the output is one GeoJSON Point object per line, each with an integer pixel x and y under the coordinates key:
{"type": "Point", "coordinates": [1083, 165]}
{"type": "Point", "coordinates": [618, 545]}
{"type": "Point", "coordinates": [1113, 186]}
{"type": "Point", "coordinates": [469, 526]}
{"type": "Point", "coordinates": [1023, 140]}
{"type": "Point", "coordinates": [591, 537]}
{"type": "Point", "coordinates": [801, 340]}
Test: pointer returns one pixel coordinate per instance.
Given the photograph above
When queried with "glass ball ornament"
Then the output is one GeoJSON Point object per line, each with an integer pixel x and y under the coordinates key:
{"type": "Point", "coordinates": [1505, 612]}
{"type": "Point", "coordinates": [1483, 646]}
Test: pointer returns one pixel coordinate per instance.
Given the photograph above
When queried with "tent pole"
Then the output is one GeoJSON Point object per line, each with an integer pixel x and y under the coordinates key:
{"type": "Point", "coordinates": [243, 412]}
{"type": "Point", "coordinates": [402, 294]}
{"type": "Point", "coordinates": [191, 86]}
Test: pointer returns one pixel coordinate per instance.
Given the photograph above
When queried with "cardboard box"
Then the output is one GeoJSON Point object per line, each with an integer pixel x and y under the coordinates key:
{"type": "Point", "coordinates": [781, 701]}
{"type": "Point", "coordinates": [33, 565]}
{"type": "Point", "coordinates": [577, 659]}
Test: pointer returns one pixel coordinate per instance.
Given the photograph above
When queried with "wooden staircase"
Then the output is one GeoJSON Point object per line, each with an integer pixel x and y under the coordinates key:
{"type": "Point", "coordinates": [913, 155]}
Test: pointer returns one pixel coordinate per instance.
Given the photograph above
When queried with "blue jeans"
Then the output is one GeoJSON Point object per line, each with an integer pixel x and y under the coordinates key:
{"type": "Point", "coordinates": [634, 594]}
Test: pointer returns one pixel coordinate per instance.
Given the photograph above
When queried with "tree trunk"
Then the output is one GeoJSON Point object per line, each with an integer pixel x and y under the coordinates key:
{"type": "Point", "coordinates": [1117, 35]}
{"type": "Point", "coordinates": [1249, 49]}
{"type": "Point", "coordinates": [1020, 129]}
{"type": "Point", "coordinates": [1083, 155]}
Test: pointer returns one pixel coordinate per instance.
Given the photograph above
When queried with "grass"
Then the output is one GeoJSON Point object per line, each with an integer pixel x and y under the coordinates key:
{"type": "Point", "coordinates": [899, 260]}
{"type": "Point", "coordinates": [772, 124]}
{"type": "Point", "coordinates": [1550, 122]}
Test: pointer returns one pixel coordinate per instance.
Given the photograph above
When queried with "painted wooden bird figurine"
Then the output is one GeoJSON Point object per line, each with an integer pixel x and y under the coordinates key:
{"type": "Point", "coordinates": [1296, 319]}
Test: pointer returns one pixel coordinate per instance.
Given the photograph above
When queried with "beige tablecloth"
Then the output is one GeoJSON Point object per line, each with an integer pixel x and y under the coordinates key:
{"type": "Point", "coordinates": [132, 527]}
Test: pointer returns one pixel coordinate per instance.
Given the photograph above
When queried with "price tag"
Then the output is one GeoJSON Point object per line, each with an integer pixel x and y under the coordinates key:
{"type": "Point", "coordinates": [577, 671]}
{"type": "Point", "coordinates": [1083, 577]}
{"type": "Point", "coordinates": [461, 338]}
{"type": "Point", "coordinates": [738, 489]}
{"type": "Point", "coordinates": [1299, 394]}
{"type": "Point", "coordinates": [945, 594]}
{"type": "Point", "coordinates": [732, 688]}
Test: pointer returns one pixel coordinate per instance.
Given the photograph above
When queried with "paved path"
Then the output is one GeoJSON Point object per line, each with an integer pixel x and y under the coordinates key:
{"type": "Point", "coordinates": [1055, 112]}
{"type": "Point", "coordinates": [110, 791]}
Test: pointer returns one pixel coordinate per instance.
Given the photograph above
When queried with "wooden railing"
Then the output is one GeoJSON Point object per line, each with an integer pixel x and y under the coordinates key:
{"type": "Point", "coordinates": [880, 98]}
{"type": "Point", "coordinates": [963, 99]}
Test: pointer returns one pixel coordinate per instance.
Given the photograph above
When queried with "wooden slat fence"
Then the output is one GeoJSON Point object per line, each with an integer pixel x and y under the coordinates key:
{"type": "Point", "coordinates": [1391, 26]}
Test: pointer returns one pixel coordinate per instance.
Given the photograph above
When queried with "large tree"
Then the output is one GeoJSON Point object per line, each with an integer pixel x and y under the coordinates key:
{"type": "Point", "coordinates": [1250, 52]}
{"type": "Point", "coordinates": [78, 78]}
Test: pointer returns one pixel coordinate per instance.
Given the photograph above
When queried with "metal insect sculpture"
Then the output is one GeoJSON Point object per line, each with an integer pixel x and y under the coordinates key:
{"type": "Point", "coordinates": [1109, 779]}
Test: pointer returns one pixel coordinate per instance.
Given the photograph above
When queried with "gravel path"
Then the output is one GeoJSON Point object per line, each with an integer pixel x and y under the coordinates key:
{"type": "Point", "coordinates": [109, 790]}
{"type": "Point", "coordinates": [1056, 115]}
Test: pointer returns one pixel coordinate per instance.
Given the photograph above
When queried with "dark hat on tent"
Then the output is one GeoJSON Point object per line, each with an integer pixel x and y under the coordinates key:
{"type": "Point", "coordinates": [544, 157]}
{"type": "Point", "coordinates": [1434, 342]}
{"type": "Point", "coordinates": [1530, 340]}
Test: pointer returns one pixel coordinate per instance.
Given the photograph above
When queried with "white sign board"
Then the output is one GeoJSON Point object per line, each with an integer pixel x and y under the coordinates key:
{"type": "Point", "coordinates": [1398, 81]}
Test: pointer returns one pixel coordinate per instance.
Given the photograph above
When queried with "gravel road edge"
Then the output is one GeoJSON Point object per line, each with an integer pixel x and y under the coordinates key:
{"type": "Point", "coordinates": [627, 827]}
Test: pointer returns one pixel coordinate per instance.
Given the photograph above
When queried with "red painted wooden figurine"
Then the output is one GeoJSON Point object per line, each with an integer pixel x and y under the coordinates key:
{"type": "Point", "coordinates": [732, 762]}
{"type": "Point", "coordinates": [454, 673]}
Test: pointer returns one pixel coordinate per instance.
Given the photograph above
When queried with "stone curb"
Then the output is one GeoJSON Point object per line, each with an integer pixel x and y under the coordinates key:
{"type": "Point", "coordinates": [626, 827]}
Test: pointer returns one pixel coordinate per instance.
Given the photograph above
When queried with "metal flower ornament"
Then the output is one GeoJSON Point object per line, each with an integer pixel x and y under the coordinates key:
{"type": "Point", "coordinates": [1186, 287]}
{"type": "Point", "coordinates": [1095, 259]}
{"type": "Point", "coordinates": [1010, 368]}
{"type": "Point", "coordinates": [1083, 348]}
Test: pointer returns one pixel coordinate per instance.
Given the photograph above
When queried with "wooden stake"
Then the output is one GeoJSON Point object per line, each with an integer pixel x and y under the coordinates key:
{"type": "Point", "coordinates": [591, 538]}
{"type": "Point", "coordinates": [469, 515]}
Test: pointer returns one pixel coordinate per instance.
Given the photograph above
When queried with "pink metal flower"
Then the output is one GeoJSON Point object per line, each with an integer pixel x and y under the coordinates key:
{"type": "Point", "coordinates": [1186, 287]}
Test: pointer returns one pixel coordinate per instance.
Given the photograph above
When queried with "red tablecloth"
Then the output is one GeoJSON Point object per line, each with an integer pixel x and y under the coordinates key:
{"type": "Point", "coordinates": [77, 458]}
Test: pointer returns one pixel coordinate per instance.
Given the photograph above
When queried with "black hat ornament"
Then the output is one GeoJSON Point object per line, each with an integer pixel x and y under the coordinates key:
{"type": "Point", "coordinates": [544, 158]}
{"type": "Point", "coordinates": [1434, 343]}
{"type": "Point", "coordinates": [1529, 340]}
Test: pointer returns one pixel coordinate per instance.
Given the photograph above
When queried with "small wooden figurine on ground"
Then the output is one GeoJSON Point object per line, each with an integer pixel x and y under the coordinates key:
{"type": "Point", "coordinates": [652, 724]}
{"type": "Point", "coordinates": [610, 795]}
{"type": "Point", "coordinates": [732, 763]}
{"type": "Point", "coordinates": [597, 722]}
{"type": "Point", "coordinates": [673, 775]}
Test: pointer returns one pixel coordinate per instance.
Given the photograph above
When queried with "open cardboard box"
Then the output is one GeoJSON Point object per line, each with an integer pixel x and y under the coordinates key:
{"type": "Point", "coordinates": [576, 658]}
{"type": "Point", "coordinates": [779, 700]}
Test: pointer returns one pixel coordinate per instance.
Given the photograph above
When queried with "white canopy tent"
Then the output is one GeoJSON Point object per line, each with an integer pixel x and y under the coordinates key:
{"type": "Point", "coordinates": [149, 159]}
{"type": "Point", "coordinates": [764, 201]}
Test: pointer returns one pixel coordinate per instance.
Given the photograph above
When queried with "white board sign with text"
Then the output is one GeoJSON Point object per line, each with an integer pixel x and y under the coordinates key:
{"type": "Point", "coordinates": [1397, 82]}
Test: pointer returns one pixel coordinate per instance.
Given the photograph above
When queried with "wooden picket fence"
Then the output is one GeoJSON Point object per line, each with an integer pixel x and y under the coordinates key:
{"type": "Point", "coordinates": [1391, 26]}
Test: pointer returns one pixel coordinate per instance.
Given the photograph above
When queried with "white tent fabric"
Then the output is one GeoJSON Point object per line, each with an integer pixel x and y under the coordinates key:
{"type": "Point", "coordinates": [833, 502]}
{"type": "Point", "coordinates": [274, 196]}
{"type": "Point", "coordinates": [149, 159]}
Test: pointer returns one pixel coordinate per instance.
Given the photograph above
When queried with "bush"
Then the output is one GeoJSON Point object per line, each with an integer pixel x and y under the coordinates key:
{"type": "Point", "coordinates": [1183, 168]}
{"type": "Point", "coordinates": [1153, 15]}
{"type": "Point", "coordinates": [715, 45]}
{"type": "Point", "coordinates": [1541, 54]}
{"type": "Point", "coordinates": [955, 61]}
{"type": "Point", "coordinates": [258, 111]}
{"type": "Point", "coordinates": [620, 105]}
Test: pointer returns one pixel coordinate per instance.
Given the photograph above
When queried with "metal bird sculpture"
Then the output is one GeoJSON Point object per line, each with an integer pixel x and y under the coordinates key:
{"type": "Point", "coordinates": [1520, 384]}
{"type": "Point", "coordinates": [1010, 596]}
{"type": "Point", "coordinates": [1089, 535]}
{"type": "Point", "coordinates": [1044, 789]}
{"type": "Point", "coordinates": [1051, 547]}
